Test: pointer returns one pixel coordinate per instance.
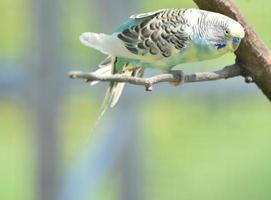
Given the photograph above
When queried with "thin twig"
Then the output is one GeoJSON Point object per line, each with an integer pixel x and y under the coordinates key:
{"type": "Point", "coordinates": [174, 77]}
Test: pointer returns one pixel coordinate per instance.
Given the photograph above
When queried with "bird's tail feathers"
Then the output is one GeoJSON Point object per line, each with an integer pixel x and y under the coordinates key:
{"type": "Point", "coordinates": [112, 95]}
{"type": "Point", "coordinates": [115, 89]}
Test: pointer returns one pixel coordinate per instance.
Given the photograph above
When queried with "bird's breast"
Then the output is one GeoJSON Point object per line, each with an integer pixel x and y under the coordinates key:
{"type": "Point", "coordinates": [202, 51]}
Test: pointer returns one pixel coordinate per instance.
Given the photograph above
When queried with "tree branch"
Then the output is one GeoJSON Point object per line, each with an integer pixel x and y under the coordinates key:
{"type": "Point", "coordinates": [252, 55]}
{"type": "Point", "coordinates": [174, 77]}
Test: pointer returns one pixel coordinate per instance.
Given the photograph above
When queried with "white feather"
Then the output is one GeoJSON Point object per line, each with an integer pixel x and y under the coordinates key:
{"type": "Point", "coordinates": [118, 91]}
{"type": "Point", "coordinates": [107, 44]}
{"type": "Point", "coordinates": [106, 70]}
{"type": "Point", "coordinates": [116, 95]}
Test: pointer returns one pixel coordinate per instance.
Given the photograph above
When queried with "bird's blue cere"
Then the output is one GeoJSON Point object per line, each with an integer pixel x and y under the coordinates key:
{"type": "Point", "coordinates": [236, 40]}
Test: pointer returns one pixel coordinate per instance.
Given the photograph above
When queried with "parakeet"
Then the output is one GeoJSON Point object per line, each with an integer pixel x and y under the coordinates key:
{"type": "Point", "coordinates": [162, 40]}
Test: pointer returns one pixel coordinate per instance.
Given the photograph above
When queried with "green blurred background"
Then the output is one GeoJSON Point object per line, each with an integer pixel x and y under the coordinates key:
{"type": "Point", "coordinates": [199, 141]}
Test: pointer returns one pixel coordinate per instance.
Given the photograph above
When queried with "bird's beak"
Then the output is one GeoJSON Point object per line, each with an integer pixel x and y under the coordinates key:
{"type": "Point", "coordinates": [235, 46]}
{"type": "Point", "coordinates": [236, 42]}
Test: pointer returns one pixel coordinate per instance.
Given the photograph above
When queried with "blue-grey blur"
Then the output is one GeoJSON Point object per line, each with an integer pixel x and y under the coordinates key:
{"type": "Point", "coordinates": [205, 141]}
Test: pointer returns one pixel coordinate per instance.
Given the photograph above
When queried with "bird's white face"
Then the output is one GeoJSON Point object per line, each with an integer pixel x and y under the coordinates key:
{"type": "Point", "coordinates": [236, 33]}
{"type": "Point", "coordinates": [223, 32]}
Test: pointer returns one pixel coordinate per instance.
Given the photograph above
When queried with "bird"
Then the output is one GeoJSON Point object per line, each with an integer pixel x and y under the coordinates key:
{"type": "Point", "coordinates": [162, 40]}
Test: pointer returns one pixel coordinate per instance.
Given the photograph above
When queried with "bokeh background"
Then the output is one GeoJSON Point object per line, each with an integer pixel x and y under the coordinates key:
{"type": "Point", "coordinates": [199, 141]}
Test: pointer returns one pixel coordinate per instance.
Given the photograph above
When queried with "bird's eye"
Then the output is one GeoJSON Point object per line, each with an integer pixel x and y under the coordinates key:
{"type": "Point", "coordinates": [227, 32]}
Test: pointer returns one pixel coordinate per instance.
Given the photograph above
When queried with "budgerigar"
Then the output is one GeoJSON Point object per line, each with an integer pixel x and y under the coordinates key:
{"type": "Point", "coordinates": [162, 40]}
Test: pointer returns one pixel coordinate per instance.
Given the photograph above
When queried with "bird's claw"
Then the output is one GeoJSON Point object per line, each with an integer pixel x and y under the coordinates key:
{"type": "Point", "coordinates": [179, 77]}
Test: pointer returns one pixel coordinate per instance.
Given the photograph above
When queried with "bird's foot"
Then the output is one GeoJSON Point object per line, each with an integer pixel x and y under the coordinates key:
{"type": "Point", "coordinates": [178, 76]}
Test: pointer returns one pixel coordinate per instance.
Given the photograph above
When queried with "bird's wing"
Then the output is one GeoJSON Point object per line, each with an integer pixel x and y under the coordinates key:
{"type": "Point", "coordinates": [155, 35]}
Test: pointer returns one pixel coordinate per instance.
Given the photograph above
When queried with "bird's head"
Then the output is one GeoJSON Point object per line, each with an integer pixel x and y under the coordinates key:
{"type": "Point", "coordinates": [234, 32]}
{"type": "Point", "coordinates": [224, 32]}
